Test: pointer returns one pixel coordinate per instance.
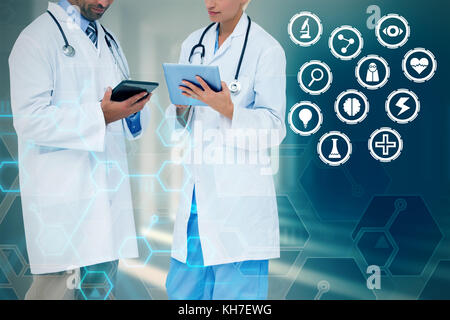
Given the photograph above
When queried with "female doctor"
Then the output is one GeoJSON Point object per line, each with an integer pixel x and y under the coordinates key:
{"type": "Point", "coordinates": [226, 229]}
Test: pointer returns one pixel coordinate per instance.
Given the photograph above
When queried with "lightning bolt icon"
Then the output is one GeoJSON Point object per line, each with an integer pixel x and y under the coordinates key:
{"type": "Point", "coordinates": [401, 104]}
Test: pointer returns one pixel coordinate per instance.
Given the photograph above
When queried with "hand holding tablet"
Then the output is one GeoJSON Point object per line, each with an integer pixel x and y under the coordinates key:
{"type": "Point", "coordinates": [128, 88]}
{"type": "Point", "coordinates": [128, 98]}
{"type": "Point", "coordinates": [177, 73]}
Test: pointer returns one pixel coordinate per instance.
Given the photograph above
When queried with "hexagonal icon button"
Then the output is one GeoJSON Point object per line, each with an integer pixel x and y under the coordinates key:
{"type": "Point", "coordinates": [375, 247]}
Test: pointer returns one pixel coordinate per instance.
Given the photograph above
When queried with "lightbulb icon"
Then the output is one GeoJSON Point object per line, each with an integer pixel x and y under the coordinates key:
{"type": "Point", "coordinates": [305, 116]}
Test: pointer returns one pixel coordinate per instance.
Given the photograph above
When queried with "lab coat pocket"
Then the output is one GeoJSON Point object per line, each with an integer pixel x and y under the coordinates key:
{"type": "Point", "coordinates": [61, 176]}
{"type": "Point", "coordinates": [241, 180]}
{"type": "Point", "coordinates": [70, 71]}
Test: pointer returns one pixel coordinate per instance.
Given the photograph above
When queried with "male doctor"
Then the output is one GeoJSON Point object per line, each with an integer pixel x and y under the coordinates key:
{"type": "Point", "coordinates": [75, 190]}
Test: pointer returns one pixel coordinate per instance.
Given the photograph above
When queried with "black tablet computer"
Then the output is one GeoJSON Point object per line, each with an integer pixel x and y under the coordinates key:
{"type": "Point", "coordinates": [128, 88]}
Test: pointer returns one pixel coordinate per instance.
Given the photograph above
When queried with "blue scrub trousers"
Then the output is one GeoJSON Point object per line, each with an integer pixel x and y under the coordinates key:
{"type": "Point", "coordinates": [246, 280]}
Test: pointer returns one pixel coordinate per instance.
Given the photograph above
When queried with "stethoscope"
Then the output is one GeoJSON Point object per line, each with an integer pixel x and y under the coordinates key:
{"type": "Point", "coordinates": [235, 86]}
{"type": "Point", "coordinates": [69, 51]}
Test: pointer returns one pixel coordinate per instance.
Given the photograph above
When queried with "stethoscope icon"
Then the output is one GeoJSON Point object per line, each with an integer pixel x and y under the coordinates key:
{"type": "Point", "coordinates": [316, 79]}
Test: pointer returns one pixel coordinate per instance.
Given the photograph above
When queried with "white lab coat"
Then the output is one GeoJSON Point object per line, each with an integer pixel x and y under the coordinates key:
{"type": "Point", "coordinates": [236, 203]}
{"type": "Point", "coordinates": [75, 190]}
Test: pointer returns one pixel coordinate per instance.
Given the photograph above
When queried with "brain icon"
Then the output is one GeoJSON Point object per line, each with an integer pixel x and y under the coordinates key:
{"type": "Point", "coordinates": [352, 106]}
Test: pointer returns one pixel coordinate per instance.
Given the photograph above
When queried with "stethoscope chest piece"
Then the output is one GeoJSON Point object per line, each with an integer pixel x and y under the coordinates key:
{"type": "Point", "coordinates": [235, 87]}
{"type": "Point", "coordinates": [68, 50]}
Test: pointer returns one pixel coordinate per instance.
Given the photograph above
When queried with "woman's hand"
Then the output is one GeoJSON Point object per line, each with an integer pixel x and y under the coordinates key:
{"type": "Point", "coordinates": [219, 101]}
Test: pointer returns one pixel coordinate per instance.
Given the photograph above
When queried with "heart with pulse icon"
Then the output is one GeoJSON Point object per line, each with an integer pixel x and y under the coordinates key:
{"type": "Point", "coordinates": [419, 65]}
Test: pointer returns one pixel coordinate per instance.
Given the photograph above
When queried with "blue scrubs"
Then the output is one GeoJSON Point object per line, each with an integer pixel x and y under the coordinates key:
{"type": "Point", "coordinates": [192, 280]}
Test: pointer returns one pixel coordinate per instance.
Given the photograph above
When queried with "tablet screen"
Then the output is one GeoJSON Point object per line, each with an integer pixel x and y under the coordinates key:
{"type": "Point", "coordinates": [128, 88]}
{"type": "Point", "coordinates": [176, 73]}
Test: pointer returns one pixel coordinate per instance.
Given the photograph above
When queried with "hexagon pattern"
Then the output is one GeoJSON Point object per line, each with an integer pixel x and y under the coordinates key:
{"type": "Point", "coordinates": [330, 279]}
{"type": "Point", "coordinates": [348, 189]}
{"type": "Point", "coordinates": [414, 232]}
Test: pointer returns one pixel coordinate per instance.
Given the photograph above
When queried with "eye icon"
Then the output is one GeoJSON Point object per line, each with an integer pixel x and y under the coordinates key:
{"type": "Point", "coordinates": [393, 31]}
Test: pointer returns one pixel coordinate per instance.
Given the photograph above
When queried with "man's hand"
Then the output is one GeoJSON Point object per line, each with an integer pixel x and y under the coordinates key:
{"type": "Point", "coordinates": [114, 111]}
{"type": "Point", "coordinates": [219, 101]}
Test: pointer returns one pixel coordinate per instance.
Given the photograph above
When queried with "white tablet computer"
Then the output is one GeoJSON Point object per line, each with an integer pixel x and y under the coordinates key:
{"type": "Point", "coordinates": [175, 73]}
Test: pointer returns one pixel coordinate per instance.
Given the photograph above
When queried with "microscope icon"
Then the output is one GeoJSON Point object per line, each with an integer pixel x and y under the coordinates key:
{"type": "Point", "coordinates": [305, 30]}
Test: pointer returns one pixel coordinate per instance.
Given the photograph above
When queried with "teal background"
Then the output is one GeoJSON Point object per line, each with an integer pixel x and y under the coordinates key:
{"type": "Point", "coordinates": [334, 222]}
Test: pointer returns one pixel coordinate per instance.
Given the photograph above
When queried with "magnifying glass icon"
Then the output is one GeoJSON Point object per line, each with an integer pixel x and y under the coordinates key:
{"type": "Point", "coordinates": [316, 79]}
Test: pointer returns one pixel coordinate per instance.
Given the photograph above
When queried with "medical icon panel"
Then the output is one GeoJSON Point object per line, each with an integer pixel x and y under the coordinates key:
{"type": "Point", "coordinates": [305, 118]}
{"type": "Point", "coordinates": [305, 29]}
{"type": "Point", "coordinates": [346, 43]}
{"type": "Point", "coordinates": [315, 77]}
{"type": "Point", "coordinates": [372, 72]}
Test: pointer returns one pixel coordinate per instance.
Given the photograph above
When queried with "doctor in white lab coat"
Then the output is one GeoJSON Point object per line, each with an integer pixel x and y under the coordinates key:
{"type": "Point", "coordinates": [227, 226]}
{"type": "Point", "coordinates": [75, 189]}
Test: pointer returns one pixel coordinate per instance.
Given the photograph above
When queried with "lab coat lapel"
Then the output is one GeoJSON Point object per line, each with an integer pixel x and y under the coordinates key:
{"type": "Point", "coordinates": [238, 31]}
{"type": "Point", "coordinates": [73, 30]}
{"type": "Point", "coordinates": [210, 42]}
{"type": "Point", "coordinates": [100, 37]}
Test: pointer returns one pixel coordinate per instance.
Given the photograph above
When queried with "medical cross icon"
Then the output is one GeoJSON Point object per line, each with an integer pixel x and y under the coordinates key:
{"type": "Point", "coordinates": [385, 139]}
{"type": "Point", "coordinates": [385, 144]}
